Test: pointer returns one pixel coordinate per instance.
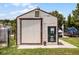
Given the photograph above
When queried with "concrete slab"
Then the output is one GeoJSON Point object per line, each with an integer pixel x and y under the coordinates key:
{"type": "Point", "coordinates": [63, 45]}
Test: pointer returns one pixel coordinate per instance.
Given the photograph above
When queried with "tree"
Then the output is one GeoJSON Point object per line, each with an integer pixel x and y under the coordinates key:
{"type": "Point", "coordinates": [76, 16]}
{"type": "Point", "coordinates": [8, 22]}
{"type": "Point", "coordinates": [69, 21]}
{"type": "Point", "coordinates": [59, 16]}
{"type": "Point", "coordinates": [65, 24]}
{"type": "Point", "coordinates": [76, 12]}
{"type": "Point", "coordinates": [13, 24]}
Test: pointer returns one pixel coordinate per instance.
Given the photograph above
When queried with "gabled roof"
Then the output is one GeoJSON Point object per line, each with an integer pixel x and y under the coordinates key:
{"type": "Point", "coordinates": [33, 10]}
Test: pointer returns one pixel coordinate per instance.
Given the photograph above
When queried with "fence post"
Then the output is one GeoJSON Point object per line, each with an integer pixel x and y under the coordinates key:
{"type": "Point", "coordinates": [8, 38]}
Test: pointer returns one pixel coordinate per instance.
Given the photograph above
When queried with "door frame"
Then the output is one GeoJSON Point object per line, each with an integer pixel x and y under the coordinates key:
{"type": "Point", "coordinates": [21, 19]}
{"type": "Point", "coordinates": [55, 33]}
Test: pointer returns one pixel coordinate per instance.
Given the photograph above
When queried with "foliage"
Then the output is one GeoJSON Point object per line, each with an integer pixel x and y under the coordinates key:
{"type": "Point", "coordinates": [76, 16]}
{"type": "Point", "coordinates": [76, 12]}
{"type": "Point", "coordinates": [9, 22]}
{"type": "Point", "coordinates": [74, 19]}
{"type": "Point", "coordinates": [70, 21]}
{"type": "Point", "coordinates": [59, 16]}
{"type": "Point", "coordinates": [12, 42]}
{"type": "Point", "coordinates": [13, 24]}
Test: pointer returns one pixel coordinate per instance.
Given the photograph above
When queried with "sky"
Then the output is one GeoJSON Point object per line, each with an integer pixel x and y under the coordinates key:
{"type": "Point", "coordinates": [12, 10]}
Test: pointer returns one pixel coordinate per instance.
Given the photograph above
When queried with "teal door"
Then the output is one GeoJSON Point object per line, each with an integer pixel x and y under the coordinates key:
{"type": "Point", "coordinates": [51, 34]}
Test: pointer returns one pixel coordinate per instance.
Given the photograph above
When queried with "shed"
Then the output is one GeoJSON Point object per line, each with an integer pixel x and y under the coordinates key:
{"type": "Point", "coordinates": [36, 27]}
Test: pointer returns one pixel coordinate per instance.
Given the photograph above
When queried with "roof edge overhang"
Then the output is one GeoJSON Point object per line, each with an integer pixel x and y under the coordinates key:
{"type": "Point", "coordinates": [33, 10]}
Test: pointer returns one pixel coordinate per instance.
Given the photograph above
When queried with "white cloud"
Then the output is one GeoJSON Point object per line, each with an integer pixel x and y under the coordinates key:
{"type": "Point", "coordinates": [71, 14]}
{"type": "Point", "coordinates": [24, 10]}
{"type": "Point", "coordinates": [5, 5]}
{"type": "Point", "coordinates": [60, 12]}
{"type": "Point", "coordinates": [2, 14]}
{"type": "Point", "coordinates": [14, 12]}
{"type": "Point", "coordinates": [15, 4]}
{"type": "Point", "coordinates": [29, 7]}
{"type": "Point", "coordinates": [20, 4]}
{"type": "Point", "coordinates": [25, 4]}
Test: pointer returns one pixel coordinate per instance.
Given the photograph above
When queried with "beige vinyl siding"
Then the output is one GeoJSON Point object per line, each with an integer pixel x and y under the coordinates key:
{"type": "Point", "coordinates": [18, 31]}
{"type": "Point", "coordinates": [48, 20]}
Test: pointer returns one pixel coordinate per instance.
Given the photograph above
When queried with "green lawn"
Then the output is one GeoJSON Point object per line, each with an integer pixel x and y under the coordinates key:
{"type": "Point", "coordinates": [12, 50]}
{"type": "Point", "coordinates": [73, 40]}
{"type": "Point", "coordinates": [39, 51]}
